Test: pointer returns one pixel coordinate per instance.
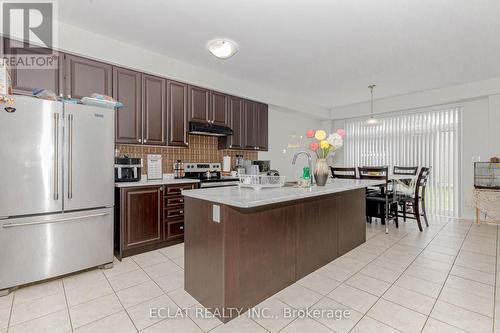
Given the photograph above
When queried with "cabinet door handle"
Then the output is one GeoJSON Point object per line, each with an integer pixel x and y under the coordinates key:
{"type": "Point", "coordinates": [181, 227]}
{"type": "Point", "coordinates": [139, 140]}
{"type": "Point", "coordinates": [145, 140]}
{"type": "Point", "coordinates": [181, 212]}
{"type": "Point", "coordinates": [181, 200]}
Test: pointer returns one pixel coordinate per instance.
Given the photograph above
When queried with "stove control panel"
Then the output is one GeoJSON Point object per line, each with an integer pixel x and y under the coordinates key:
{"type": "Point", "coordinates": [202, 167]}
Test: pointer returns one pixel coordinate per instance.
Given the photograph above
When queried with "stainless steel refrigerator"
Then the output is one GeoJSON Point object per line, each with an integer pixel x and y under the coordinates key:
{"type": "Point", "coordinates": [56, 189]}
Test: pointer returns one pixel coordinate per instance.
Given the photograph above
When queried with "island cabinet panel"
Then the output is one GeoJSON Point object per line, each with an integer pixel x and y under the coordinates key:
{"type": "Point", "coordinates": [351, 220]}
{"type": "Point", "coordinates": [154, 108]}
{"type": "Point", "coordinates": [129, 119]}
{"type": "Point", "coordinates": [86, 76]}
{"type": "Point", "coordinates": [255, 256]}
{"type": "Point", "coordinates": [317, 241]}
{"type": "Point", "coordinates": [177, 113]}
{"type": "Point", "coordinates": [250, 254]}
{"type": "Point", "coordinates": [204, 278]}
{"type": "Point", "coordinates": [199, 104]}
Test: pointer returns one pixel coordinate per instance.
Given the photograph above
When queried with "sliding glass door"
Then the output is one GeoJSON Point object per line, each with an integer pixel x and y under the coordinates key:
{"type": "Point", "coordinates": [429, 139]}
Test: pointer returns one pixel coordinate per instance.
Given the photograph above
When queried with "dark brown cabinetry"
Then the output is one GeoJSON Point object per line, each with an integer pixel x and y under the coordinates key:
{"type": "Point", "coordinates": [148, 217]}
{"type": "Point", "coordinates": [177, 113]}
{"type": "Point", "coordinates": [250, 123]}
{"type": "Point", "coordinates": [85, 76]}
{"type": "Point", "coordinates": [208, 106]}
{"type": "Point", "coordinates": [174, 211]}
{"type": "Point", "coordinates": [255, 126]}
{"type": "Point", "coordinates": [154, 110]}
{"type": "Point", "coordinates": [236, 123]}
{"type": "Point", "coordinates": [218, 109]}
{"type": "Point", "coordinates": [199, 104]}
{"type": "Point", "coordinates": [262, 126]}
{"type": "Point", "coordinates": [129, 120]}
{"type": "Point", "coordinates": [142, 217]}
{"type": "Point", "coordinates": [143, 118]}
{"type": "Point", "coordinates": [24, 80]}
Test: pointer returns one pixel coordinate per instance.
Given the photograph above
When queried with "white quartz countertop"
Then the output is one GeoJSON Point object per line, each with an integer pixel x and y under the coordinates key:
{"type": "Point", "coordinates": [248, 197]}
{"type": "Point", "coordinates": [165, 181]}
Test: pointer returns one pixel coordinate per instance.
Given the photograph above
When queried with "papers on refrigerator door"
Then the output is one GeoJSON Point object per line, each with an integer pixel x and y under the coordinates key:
{"type": "Point", "coordinates": [154, 167]}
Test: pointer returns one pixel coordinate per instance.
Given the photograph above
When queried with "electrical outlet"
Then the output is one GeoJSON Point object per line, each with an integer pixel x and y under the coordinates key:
{"type": "Point", "coordinates": [216, 213]}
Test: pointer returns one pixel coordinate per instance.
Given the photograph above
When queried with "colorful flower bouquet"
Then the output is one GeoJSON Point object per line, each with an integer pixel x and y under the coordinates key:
{"type": "Point", "coordinates": [324, 146]}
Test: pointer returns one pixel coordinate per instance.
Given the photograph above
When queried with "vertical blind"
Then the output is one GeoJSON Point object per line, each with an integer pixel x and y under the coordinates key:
{"type": "Point", "coordinates": [431, 139]}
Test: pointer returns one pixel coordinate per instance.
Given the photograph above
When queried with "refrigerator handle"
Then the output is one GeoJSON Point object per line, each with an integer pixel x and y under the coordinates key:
{"type": "Point", "coordinates": [12, 225]}
{"type": "Point", "coordinates": [56, 156]}
{"type": "Point", "coordinates": [70, 156]}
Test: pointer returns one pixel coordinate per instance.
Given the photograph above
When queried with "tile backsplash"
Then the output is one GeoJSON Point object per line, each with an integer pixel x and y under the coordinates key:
{"type": "Point", "coordinates": [201, 149]}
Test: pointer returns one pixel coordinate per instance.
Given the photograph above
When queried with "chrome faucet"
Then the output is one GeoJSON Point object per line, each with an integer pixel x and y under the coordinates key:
{"type": "Point", "coordinates": [309, 160]}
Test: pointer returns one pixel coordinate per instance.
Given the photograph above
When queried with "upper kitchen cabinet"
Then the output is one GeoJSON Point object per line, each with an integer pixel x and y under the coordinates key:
{"type": "Point", "coordinates": [255, 126]}
{"type": "Point", "coordinates": [218, 114]}
{"type": "Point", "coordinates": [236, 122]}
{"type": "Point", "coordinates": [177, 113]}
{"type": "Point", "coordinates": [127, 90]}
{"type": "Point", "coordinates": [199, 104]}
{"type": "Point", "coordinates": [262, 125]}
{"type": "Point", "coordinates": [250, 125]}
{"type": "Point", "coordinates": [85, 77]}
{"type": "Point", "coordinates": [154, 110]}
{"type": "Point", "coordinates": [24, 80]}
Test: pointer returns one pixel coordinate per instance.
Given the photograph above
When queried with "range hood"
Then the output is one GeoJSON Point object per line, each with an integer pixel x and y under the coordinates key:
{"type": "Point", "coordinates": [209, 129]}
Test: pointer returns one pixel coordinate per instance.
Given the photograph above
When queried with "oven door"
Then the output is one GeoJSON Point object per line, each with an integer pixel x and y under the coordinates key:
{"type": "Point", "coordinates": [218, 184]}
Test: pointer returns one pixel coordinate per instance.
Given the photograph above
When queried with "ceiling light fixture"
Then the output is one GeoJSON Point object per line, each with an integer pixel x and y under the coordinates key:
{"type": "Point", "coordinates": [372, 121]}
{"type": "Point", "coordinates": [222, 48]}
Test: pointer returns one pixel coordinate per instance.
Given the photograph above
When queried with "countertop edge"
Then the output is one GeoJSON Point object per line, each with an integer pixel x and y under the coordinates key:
{"type": "Point", "coordinates": [198, 194]}
{"type": "Point", "coordinates": [145, 182]}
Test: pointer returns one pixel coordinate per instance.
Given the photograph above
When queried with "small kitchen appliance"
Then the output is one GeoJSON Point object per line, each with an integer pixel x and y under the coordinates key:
{"type": "Point", "coordinates": [127, 169]}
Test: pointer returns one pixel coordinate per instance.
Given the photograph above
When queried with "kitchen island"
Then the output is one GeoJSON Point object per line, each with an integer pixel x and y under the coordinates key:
{"type": "Point", "coordinates": [242, 245]}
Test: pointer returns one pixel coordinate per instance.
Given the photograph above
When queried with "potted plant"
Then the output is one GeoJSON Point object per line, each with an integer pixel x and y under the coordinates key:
{"type": "Point", "coordinates": [324, 146]}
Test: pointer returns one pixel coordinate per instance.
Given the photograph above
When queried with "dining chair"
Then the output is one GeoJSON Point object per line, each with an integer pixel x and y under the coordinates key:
{"type": "Point", "coordinates": [344, 173]}
{"type": "Point", "coordinates": [416, 200]}
{"type": "Point", "coordinates": [400, 170]}
{"type": "Point", "coordinates": [382, 204]}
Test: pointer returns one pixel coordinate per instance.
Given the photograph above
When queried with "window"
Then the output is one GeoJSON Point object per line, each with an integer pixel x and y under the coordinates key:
{"type": "Point", "coordinates": [429, 138]}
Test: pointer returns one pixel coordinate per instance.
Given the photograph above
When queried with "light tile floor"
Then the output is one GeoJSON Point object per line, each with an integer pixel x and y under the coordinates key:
{"type": "Point", "coordinates": [444, 279]}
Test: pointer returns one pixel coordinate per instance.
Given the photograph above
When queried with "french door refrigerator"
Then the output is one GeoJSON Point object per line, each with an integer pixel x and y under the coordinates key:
{"type": "Point", "coordinates": [57, 183]}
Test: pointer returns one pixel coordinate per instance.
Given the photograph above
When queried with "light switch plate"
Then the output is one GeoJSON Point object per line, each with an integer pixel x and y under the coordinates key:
{"type": "Point", "coordinates": [216, 213]}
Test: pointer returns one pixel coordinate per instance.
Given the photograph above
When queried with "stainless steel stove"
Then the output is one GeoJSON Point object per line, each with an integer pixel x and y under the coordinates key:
{"type": "Point", "coordinates": [209, 175]}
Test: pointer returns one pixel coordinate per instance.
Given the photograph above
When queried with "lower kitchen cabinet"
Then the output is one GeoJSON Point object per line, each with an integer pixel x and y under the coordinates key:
{"type": "Point", "coordinates": [148, 218]}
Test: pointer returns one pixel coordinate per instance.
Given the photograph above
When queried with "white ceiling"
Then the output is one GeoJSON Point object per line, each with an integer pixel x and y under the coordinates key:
{"type": "Point", "coordinates": [326, 52]}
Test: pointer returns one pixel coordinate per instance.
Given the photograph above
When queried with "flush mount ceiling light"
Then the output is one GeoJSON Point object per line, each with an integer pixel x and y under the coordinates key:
{"type": "Point", "coordinates": [372, 121]}
{"type": "Point", "coordinates": [222, 48]}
